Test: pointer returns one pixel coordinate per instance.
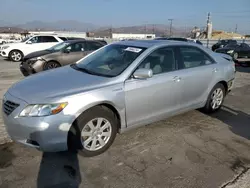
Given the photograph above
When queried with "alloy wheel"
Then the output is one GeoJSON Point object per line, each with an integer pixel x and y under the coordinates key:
{"type": "Point", "coordinates": [52, 65]}
{"type": "Point", "coordinates": [16, 56]}
{"type": "Point", "coordinates": [217, 98]}
{"type": "Point", "coordinates": [96, 134]}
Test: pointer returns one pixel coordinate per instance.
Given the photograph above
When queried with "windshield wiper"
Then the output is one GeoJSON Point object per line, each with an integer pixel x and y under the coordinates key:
{"type": "Point", "coordinates": [74, 66]}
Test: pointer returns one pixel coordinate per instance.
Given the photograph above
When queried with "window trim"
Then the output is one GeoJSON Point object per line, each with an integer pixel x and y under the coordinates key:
{"type": "Point", "coordinates": [194, 47]}
{"type": "Point", "coordinates": [176, 60]}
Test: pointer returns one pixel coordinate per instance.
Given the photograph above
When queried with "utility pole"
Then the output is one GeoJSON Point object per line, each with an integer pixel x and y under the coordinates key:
{"type": "Point", "coordinates": [110, 32]}
{"type": "Point", "coordinates": [171, 24]}
{"type": "Point", "coordinates": [209, 29]}
{"type": "Point", "coordinates": [236, 28]}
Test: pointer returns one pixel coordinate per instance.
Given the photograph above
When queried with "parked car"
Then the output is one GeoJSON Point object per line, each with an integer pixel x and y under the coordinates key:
{"type": "Point", "coordinates": [62, 54]}
{"type": "Point", "coordinates": [236, 50]}
{"type": "Point", "coordinates": [3, 41]}
{"type": "Point", "coordinates": [16, 51]}
{"type": "Point", "coordinates": [222, 43]}
{"type": "Point", "coordinates": [118, 87]}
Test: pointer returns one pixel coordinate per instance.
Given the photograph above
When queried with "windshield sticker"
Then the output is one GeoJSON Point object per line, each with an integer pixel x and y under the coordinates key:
{"type": "Point", "coordinates": [132, 49]}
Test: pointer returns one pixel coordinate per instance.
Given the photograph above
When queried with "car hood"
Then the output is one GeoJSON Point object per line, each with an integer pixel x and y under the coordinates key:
{"type": "Point", "coordinates": [12, 45]}
{"type": "Point", "coordinates": [37, 54]}
{"type": "Point", "coordinates": [57, 83]}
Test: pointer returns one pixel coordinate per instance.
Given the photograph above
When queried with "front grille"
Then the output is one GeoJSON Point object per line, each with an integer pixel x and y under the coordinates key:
{"type": "Point", "coordinates": [9, 107]}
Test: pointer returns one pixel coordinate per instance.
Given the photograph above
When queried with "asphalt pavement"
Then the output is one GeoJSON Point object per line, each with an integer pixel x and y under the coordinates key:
{"type": "Point", "coordinates": [190, 150]}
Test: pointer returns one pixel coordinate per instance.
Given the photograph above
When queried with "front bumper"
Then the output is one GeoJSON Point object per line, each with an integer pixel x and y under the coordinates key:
{"type": "Point", "coordinates": [3, 53]}
{"type": "Point", "coordinates": [26, 68]}
{"type": "Point", "coordinates": [48, 134]}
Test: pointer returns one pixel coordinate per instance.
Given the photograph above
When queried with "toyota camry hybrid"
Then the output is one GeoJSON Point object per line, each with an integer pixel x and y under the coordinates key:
{"type": "Point", "coordinates": [118, 87]}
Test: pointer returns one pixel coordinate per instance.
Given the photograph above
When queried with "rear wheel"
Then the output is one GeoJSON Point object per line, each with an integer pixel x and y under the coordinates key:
{"type": "Point", "coordinates": [215, 99]}
{"type": "Point", "coordinates": [51, 65]}
{"type": "Point", "coordinates": [93, 132]}
{"type": "Point", "coordinates": [16, 55]}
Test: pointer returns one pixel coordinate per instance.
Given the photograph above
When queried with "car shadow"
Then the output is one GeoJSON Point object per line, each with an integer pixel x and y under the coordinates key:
{"type": "Point", "coordinates": [59, 170]}
{"type": "Point", "coordinates": [243, 69]}
{"type": "Point", "coordinates": [238, 121]}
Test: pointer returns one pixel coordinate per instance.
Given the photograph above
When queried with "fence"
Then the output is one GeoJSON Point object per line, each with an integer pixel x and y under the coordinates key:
{"type": "Point", "coordinates": [207, 43]}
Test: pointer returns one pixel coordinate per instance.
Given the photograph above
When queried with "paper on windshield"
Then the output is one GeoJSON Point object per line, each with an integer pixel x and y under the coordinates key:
{"type": "Point", "coordinates": [133, 49]}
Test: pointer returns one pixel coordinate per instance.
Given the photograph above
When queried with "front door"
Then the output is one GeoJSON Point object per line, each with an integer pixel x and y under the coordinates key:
{"type": "Point", "coordinates": [73, 53]}
{"type": "Point", "coordinates": [152, 99]}
{"type": "Point", "coordinates": [197, 72]}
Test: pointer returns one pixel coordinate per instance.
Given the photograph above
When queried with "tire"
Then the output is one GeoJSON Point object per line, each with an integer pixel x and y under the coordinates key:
{"type": "Point", "coordinates": [16, 55]}
{"type": "Point", "coordinates": [235, 56]}
{"type": "Point", "coordinates": [209, 108]}
{"type": "Point", "coordinates": [81, 126]}
{"type": "Point", "coordinates": [51, 65]}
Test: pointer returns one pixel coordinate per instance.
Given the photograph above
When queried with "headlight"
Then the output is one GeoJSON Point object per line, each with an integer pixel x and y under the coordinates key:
{"type": "Point", "coordinates": [39, 58]}
{"type": "Point", "coordinates": [4, 47]}
{"type": "Point", "coordinates": [230, 51]}
{"type": "Point", "coordinates": [39, 110]}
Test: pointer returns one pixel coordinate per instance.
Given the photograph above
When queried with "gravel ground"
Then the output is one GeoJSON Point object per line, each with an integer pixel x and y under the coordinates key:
{"type": "Point", "coordinates": [189, 150]}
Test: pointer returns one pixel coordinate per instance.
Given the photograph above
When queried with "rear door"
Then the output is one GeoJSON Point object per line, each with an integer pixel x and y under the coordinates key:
{"type": "Point", "coordinates": [197, 72]}
{"type": "Point", "coordinates": [48, 41]}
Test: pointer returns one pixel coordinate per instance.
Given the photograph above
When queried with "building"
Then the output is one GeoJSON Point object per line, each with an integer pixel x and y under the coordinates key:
{"type": "Point", "coordinates": [60, 33]}
{"type": "Point", "coordinates": [120, 36]}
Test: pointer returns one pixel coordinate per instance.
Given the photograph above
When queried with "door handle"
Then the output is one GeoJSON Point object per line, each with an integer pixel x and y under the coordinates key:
{"type": "Point", "coordinates": [215, 70]}
{"type": "Point", "coordinates": [177, 79]}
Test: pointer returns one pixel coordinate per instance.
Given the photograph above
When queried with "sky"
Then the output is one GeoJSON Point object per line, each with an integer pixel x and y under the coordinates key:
{"type": "Point", "coordinates": [225, 14]}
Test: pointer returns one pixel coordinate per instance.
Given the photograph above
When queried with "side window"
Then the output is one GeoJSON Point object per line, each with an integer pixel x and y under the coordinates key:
{"type": "Point", "coordinates": [244, 45]}
{"type": "Point", "coordinates": [48, 39]}
{"type": "Point", "coordinates": [63, 38]}
{"type": "Point", "coordinates": [36, 39]}
{"type": "Point", "coordinates": [92, 46]}
{"type": "Point", "coordinates": [160, 61]}
{"type": "Point", "coordinates": [193, 57]}
{"type": "Point", "coordinates": [76, 47]}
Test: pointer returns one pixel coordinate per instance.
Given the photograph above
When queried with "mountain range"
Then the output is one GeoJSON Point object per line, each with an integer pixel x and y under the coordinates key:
{"type": "Point", "coordinates": [72, 25]}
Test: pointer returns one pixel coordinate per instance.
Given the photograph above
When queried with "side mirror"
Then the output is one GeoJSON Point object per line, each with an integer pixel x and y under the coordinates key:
{"type": "Point", "coordinates": [29, 42]}
{"type": "Point", "coordinates": [143, 73]}
{"type": "Point", "coordinates": [67, 51]}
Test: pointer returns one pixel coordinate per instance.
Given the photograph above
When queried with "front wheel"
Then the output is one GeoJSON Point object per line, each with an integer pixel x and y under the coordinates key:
{"type": "Point", "coordinates": [51, 65]}
{"type": "Point", "coordinates": [16, 55]}
{"type": "Point", "coordinates": [215, 99]}
{"type": "Point", "coordinates": [93, 132]}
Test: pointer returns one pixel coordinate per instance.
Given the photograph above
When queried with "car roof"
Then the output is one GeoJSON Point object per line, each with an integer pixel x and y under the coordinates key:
{"type": "Point", "coordinates": [151, 43]}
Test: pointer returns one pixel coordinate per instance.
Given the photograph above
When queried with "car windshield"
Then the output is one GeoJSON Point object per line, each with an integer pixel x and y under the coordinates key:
{"type": "Point", "coordinates": [25, 39]}
{"type": "Point", "coordinates": [111, 60]}
{"type": "Point", "coordinates": [58, 47]}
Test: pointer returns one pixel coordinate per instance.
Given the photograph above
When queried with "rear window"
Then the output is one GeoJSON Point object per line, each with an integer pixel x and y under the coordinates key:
{"type": "Point", "coordinates": [63, 38]}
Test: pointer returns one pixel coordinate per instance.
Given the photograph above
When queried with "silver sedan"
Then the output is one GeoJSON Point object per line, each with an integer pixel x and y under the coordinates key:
{"type": "Point", "coordinates": [116, 88]}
